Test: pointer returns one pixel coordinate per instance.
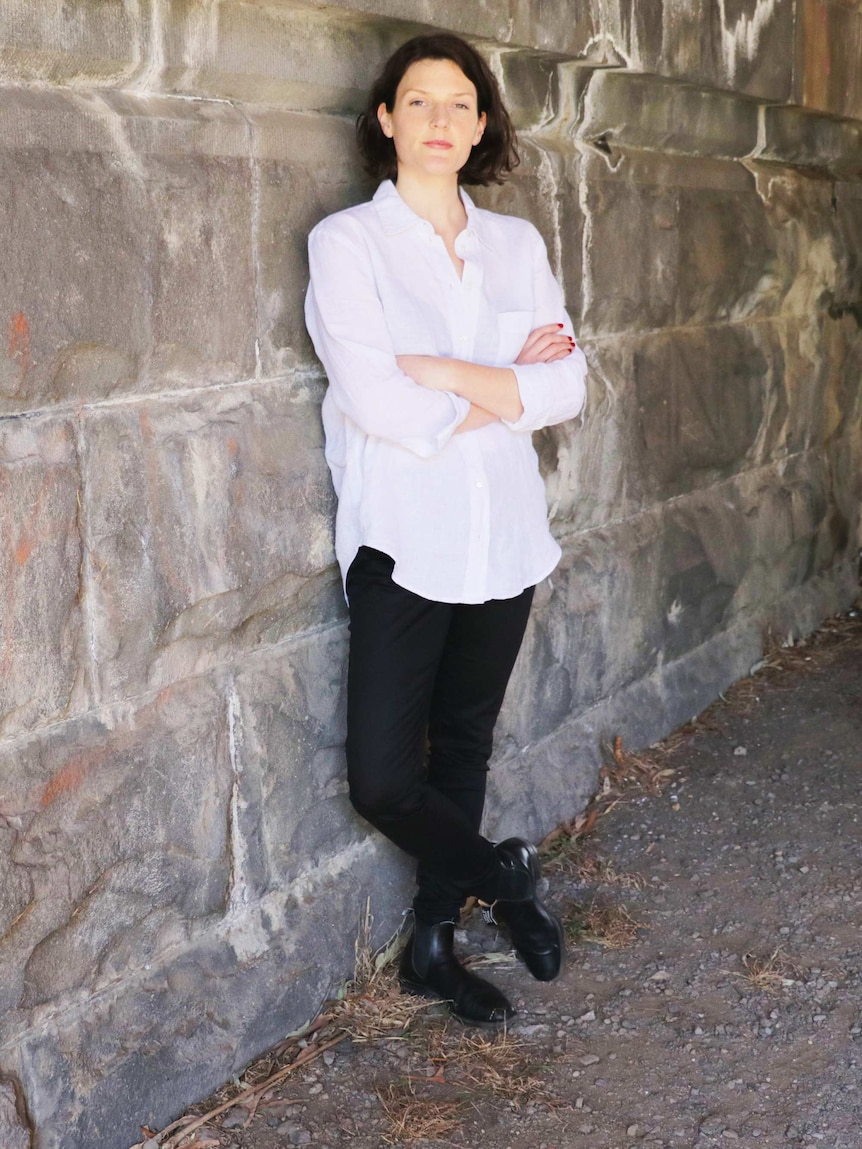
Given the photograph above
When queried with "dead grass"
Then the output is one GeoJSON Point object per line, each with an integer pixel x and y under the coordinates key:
{"type": "Point", "coordinates": [497, 1065]}
{"type": "Point", "coordinates": [785, 657]}
{"type": "Point", "coordinates": [411, 1118]}
{"type": "Point", "coordinates": [769, 974]}
{"type": "Point", "coordinates": [608, 924]}
{"type": "Point", "coordinates": [460, 1068]}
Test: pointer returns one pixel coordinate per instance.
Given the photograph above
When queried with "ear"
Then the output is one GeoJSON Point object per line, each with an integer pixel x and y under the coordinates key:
{"type": "Point", "coordinates": [385, 120]}
{"type": "Point", "coordinates": [480, 129]}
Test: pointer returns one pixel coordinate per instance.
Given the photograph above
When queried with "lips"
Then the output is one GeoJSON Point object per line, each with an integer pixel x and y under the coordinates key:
{"type": "Point", "coordinates": [444, 145]}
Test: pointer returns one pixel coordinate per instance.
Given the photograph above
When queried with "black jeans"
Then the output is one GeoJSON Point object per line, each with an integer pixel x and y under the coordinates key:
{"type": "Point", "coordinates": [425, 684]}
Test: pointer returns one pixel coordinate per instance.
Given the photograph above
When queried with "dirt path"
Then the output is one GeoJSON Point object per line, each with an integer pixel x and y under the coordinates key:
{"type": "Point", "coordinates": [731, 1017]}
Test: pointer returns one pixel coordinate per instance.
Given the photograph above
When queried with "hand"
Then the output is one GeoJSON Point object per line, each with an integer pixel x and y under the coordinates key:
{"type": "Point", "coordinates": [546, 344]}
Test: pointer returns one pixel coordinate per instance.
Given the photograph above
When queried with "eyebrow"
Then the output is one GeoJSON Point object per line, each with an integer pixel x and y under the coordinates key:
{"type": "Point", "coordinates": [424, 92]}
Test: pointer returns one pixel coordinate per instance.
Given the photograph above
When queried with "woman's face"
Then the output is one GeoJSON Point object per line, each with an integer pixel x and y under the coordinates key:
{"type": "Point", "coordinates": [435, 120]}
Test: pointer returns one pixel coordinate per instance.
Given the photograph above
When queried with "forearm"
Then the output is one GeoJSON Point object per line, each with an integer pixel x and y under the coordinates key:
{"type": "Point", "coordinates": [495, 389]}
{"type": "Point", "coordinates": [478, 417]}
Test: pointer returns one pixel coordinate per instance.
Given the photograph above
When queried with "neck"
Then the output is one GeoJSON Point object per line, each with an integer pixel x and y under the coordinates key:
{"type": "Point", "coordinates": [437, 201]}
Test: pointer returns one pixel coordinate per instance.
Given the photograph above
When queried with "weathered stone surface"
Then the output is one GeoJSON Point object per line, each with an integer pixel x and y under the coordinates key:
{"type": "Point", "coordinates": [828, 51]}
{"type": "Point", "coordinates": [794, 136]}
{"type": "Point", "coordinates": [704, 396]}
{"type": "Point", "coordinates": [630, 597]}
{"type": "Point", "coordinates": [307, 167]}
{"type": "Point", "coordinates": [14, 1133]}
{"type": "Point", "coordinates": [138, 1051]}
{"type": "Point", "coordinates": [747, 45]}
{"type": "Point", "coordinates": [64, 44]}
{"type": "Point", "coordinates": [621, 109]}
{"type": "Point", "coordinates": [45, 670]}
{"type": "Point", "coordinates": [144, 277]}
{"type": "Point", "coordinates": [209, 522]}
{"type": "Point", "coordinates": [302, 58]}
{"type": "Point", "coordinates": [120, 828]}
{"type": "Point", "coordinates": [294, 809]}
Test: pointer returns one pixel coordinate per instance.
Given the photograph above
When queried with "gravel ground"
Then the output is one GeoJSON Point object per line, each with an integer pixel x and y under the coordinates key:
{"type": "Point", "coordinates": [712, 992]}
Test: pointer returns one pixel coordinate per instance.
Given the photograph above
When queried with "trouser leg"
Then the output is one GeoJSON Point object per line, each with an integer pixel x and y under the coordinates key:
{"type": "Point", "coordinates": [397, 640]}
{"type": "Point", "coordinates": [481, 646]}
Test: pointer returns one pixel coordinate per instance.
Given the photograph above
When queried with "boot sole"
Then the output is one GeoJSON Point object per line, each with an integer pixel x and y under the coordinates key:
{"type": "Point", "coordinates": [419, 990]}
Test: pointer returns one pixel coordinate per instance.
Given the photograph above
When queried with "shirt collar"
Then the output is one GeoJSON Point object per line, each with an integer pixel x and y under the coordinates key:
{"type": "Point", "coordinates": [396, 216]}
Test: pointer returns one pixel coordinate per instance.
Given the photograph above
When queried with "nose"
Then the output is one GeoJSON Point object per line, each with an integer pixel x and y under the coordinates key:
{"type": "Point", "coordinates": [440, 115]}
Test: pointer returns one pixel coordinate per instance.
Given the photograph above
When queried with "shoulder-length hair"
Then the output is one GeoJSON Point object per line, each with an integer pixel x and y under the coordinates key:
{"type": "Point", "coordinates": [496, 153]}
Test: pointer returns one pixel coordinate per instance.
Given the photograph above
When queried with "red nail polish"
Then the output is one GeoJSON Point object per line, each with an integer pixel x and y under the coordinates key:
{"type": "Point", "coordinates": [560, 325]}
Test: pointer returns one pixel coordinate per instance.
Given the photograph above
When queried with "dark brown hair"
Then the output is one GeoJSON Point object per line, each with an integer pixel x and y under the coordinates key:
{"type": "Point", "coordinates": [491, 159]}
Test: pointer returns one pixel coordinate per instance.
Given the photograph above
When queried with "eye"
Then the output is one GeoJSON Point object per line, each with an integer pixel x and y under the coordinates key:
{"type": "Point", "coordinates": [463, 107]}
{"type": "Point", "coordinates": [416, 102]}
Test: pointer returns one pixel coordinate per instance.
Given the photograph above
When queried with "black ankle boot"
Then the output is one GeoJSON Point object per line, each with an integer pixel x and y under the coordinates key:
{"type": "Point", "coordinates": [520, 870]}
{"type": "Point", "coordinates": [429, 968]}
{"type": "Point", "coordinates": [535, 932]}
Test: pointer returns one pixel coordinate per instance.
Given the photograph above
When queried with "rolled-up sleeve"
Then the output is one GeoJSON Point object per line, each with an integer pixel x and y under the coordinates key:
{"type": "Point", "coordinates": [550, 392]}
{"type": "Point", "coordinates": [345, 319]}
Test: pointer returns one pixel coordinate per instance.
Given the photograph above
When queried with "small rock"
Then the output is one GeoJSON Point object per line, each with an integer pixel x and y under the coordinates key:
{"type": "Point", "coordinates": [632, 1131]}
{"type": "Point", "coordinates": [235, 1118]}
{"type": "Point", "coordinates": [740, 751]}
{"type": "Point", "coordinates": [328, 1057]}
{"type": "Point", "coordinates": [590, 1015]}
{"type": "Point", "coordinates": [589, 1059]}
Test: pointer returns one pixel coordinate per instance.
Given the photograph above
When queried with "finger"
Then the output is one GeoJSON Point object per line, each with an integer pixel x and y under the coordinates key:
{"type": "Point", "coordinates": [540, 332]}
{"type": "Point", "coordinates": [556, 340]}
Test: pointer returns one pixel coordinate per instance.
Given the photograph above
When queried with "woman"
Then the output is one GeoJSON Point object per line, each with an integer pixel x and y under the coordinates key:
{"type": "Point", "coordinates": [446, 342]}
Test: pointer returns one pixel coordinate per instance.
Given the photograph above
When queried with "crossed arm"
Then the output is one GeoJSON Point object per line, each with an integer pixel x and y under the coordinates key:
{"type": "Point", "coordinates": [492, 392]}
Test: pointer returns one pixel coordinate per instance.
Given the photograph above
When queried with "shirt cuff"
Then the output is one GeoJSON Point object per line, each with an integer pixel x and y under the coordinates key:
{"type": "Point", "coordinates": [428, 445]}
{"type": "Point", "coordinates": [550, 393]}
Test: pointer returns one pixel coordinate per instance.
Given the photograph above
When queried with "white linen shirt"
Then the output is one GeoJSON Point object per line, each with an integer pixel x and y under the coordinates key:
{"type": "Point", "coordinates": [463, 516]}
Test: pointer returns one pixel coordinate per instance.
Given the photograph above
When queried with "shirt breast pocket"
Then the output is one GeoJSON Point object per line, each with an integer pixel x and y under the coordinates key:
{"type": "Point", "coordinates": [513, 327]}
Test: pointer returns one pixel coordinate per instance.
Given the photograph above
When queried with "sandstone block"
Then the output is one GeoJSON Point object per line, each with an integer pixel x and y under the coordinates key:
{"type": "Point", "coordinates": [308, 167]}
{"type": "Point", "coordinates": [45, 666]}
{"type": "Point", "coordinates": [290, 56]}
{"type": "Point", "coordinates": [622, 109]}
{"type": "Point", "coordinates": [119, 825]}
{"type": "Point", "coordinates": [746, 46]}
{"type": "Point", "coordinates": [210, 529]}
{"type": "Point", "coordinates": [629, 597]}
{"type": "Point", "coordinates": [804, 139]}
{"type": "Point", "coordinates": [828, 50]}
{"type": "Point", "coordinates": [706, 404]}
{"type": "Point", "coordinates": [676, 243]}
{"type": "Point", "coordinates": [144, 277]}
{"type": "Point", "coordinates": [14, 1133]}
{"type": "Point", "coordinates": [295, 811]}
{"type": "Point", "coordinates": [92, 44]}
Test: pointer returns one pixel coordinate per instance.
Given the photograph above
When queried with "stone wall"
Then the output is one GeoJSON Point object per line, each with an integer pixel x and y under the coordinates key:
{"type": "Point", "coordinates": [180, 872]}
